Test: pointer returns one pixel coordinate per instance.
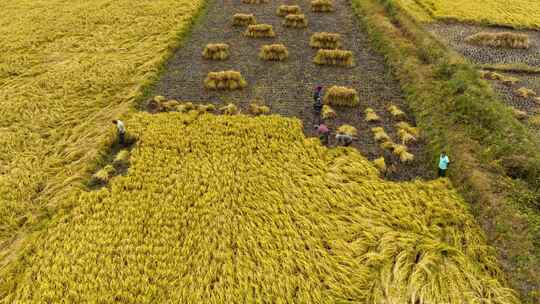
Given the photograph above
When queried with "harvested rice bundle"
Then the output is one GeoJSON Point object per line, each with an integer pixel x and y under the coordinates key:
{"type": "Point", "coordinates": [348, 130]}
{"type": "Point", "coordinates": [206, 108]}
{"type": "Point", "coordinates": [225, 80]}
{"type": "Point", "coordinates": [509, 80]}
{"type": "Point", "coordinates": [104, 175]}
{"type": "Point", "coordinates": [395, 111]}
{"type": "Point", "coordinates": [537, 100]}
{"type": "Point", "coordinates": [380, 135]}
{"type": "Point", "coordinates": [328, 112]}
{"type": "Point", "coordinates": [216, 51]}
{"type": "Point", "coordinates": [325, 40]}
{"type": "Point", "coordinates": [380, 164]}
{"type": "Point", "coordinates": [229, 109]}
{"type": "Point", "coordinates": [257, 109]}
{"type": "Point", "coordinates": [525, 92]}
{"type": "Point", "coordinates": [371, 116]}
{"type": "Point", "coordinates": [401, 152]}
{"type": "Point", "coordinates": [535, 120]}
{"type": "Point", "coordinates": [506, 80]}
{"type": "Point", "coordinates": [388, 145]}
{"type": "Point", "coordinates": [122, 158]}
{"type": "Point", "coordinates": [405, 136]}
{"type": "Point", "coordinates": [260, 31]}
{"type": "Point", "coordinates": [254, 1]}
{"type": "Point", "coordinates": [284, 10]}
{"type": "Point", "coordinates": [244, 19]}
{"type": "Point", "coordinates": [518, 114]}
{"type": "Point", "coordinates": [341, 96]}
{"type": "Point", "coordinates": [322, 6]}
{"type": "Point", "coordinates": [415, 131]}
{"type": "Point", "coordinates": [500, 40]}
{"type": "Point", "coordinates": [275, 52]}
{"type": "Point", "coordinates": [159, 98]}
{"type": "Point", "coordinates": [334, 57]}
{"type": "Point", "coordinates": [295, 20]}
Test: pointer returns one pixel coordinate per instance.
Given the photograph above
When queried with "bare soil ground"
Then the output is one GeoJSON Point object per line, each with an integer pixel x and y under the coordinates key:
{"type": "Point", "coordinates": [287, 87]}
{"type": "Point", "coordinates": [454, 34]}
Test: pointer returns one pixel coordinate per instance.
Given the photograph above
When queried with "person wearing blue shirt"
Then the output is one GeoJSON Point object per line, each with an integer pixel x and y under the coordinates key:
{"type": "Point", "coordinates": [444, 161]}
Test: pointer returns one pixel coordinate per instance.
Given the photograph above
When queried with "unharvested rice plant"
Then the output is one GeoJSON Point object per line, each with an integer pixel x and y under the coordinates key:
{"type": "Point", "coordinates": [322, 6]}
{"type": "Point", "coordinates": [341, 96]}
{"type": "Point", "coordinates": [260, 31]}
{"type": "Point", "coordinates": [216, 51]}
{"type": "Point", "coordinates": [295, 21]}
{"type": "Point", "coordinates": [515, 13]}
{"type": "Point", "coordinates": [225, 80]}
{"type": "Point", "coordinates": [334, 57]}
{"type": "Point", "coordinates": [244, 19]}
{"type": "Point", "coordinates": [284, 10]}
{"type": "Point", "coordinates": [274, 52]}
{"type": "Point", "coordinates": [225, 209]}
{"type": "Point", "coordinates": [325, 40]}
{"type": "Point", "coordinates": [503, 40]}
{"type": "Point", "coordinates": [66, 70]}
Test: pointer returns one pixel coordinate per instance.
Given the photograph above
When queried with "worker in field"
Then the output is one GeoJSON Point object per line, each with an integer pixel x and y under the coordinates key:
{"type": "Point", "coordinates": [317, 105]}
{"type": "Point", "coordinates": [343, 139]}
{"type": "Point", "coordinates": [444, 161]}
{"type": "Point", "coordinates": [323, 132]}
{"type": "Point", "coordinates": [121, 131]}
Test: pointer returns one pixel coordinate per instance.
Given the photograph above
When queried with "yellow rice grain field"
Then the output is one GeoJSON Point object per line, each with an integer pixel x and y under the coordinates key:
{"type": "Point", "coordinates": [515, 13]}
{"type": "Point", "coordinates": [66, 69]}
{"type": "Point", "coordinates": [236, 209]}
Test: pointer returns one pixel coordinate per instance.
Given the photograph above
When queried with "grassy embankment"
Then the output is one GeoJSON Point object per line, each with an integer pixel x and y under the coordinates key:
{"type": "Point", "coordinates": [496, 164]}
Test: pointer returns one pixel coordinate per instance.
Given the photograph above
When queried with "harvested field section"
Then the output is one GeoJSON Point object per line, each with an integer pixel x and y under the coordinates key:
{"type": "Point", "coordinates": [454, 35]}
{"type": "Point", "coordinates": [287, 86]}
{"type": "Point", "coordinates": [235, 209]}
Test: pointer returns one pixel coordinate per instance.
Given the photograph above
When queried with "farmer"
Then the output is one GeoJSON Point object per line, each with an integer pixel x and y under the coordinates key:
{"type": "Point", "coordinates": [444, 161]}
{"type": "Point", "coordinates": [323, 132]}
{"type": "Point", "coordinates": [121, 131]}
{"type": "Point", "coordinates": [344, 139]}
{"type": "Point", "coordinates": [317, 99]}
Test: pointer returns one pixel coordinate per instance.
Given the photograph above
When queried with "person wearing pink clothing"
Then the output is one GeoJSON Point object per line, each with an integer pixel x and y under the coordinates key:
{"type": "Point", "coordinates": [323, 132]}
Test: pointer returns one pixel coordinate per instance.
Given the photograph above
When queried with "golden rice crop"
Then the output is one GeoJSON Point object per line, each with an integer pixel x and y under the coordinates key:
{"type": "Point", "coordinates": [504, 40]}
{"type": "Point", "coordinates": [334, 57]}
{"type": "Point", "coordinates": [104, 175]}
{"type": "Point", "coordinates": [260, 31]}
{"type": "Point", "coordinates": [371, 116]}
{"type": "Point", "coordinates": [244, 19]}
{"type": "Point", "coordinates": [341, 96]}
{"type": "Point", "coordinates": [216, 51]}
{"type": "Point", "coordinates": [274, 52]}
{"type": "Point", "coordinates": [122, 158]}
{"type": "Point", "coordinates": [258, 109]}
{"type": "Point", "coordinates": [324, 40]}
{"type": "Point", "coordinates": [348, 130]}
{"type": "Point", "coordinates": [517, 13]}
{"type": "Point", "coordinates": [524, 92]}
{"type": "Point", "coordinates": [284, 10]}
{"type": "Point", "coordinates": [295, 20]}
{"type": "Point", "coordinates": [66, 70]}
{"type": "Point", "coordinates": [380, 164]}
{"type": "Point", "coordinates": [328, 113]}
{"type": "Point", "coordinates": [227, 209]}
{"type": "Point", "coordinates": [322, 6]}
{"type": "Point", "coordinates": [225, 80]}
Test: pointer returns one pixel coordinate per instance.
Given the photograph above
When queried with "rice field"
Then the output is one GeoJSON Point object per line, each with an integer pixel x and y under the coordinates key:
{"type": "Point", "coordinates": [515, 13]}
{"type": "Point", "coordinates": [238, 209]}
{"type": "Point", "coordinates": [66, 69]}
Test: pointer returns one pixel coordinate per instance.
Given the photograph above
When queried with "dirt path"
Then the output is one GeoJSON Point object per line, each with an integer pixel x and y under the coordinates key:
{"type": "Point", "coordinates": [287, 87]}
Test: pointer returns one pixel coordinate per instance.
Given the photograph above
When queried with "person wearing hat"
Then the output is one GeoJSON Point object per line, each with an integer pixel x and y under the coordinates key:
{"type": "Point", "coordinates": [323, 132]}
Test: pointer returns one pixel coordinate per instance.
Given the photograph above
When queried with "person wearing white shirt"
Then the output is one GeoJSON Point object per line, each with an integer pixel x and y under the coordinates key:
{"type": "Point", "coordinates": [121, 131]}
{"type": "Point", "coordinates": [444, 161]}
